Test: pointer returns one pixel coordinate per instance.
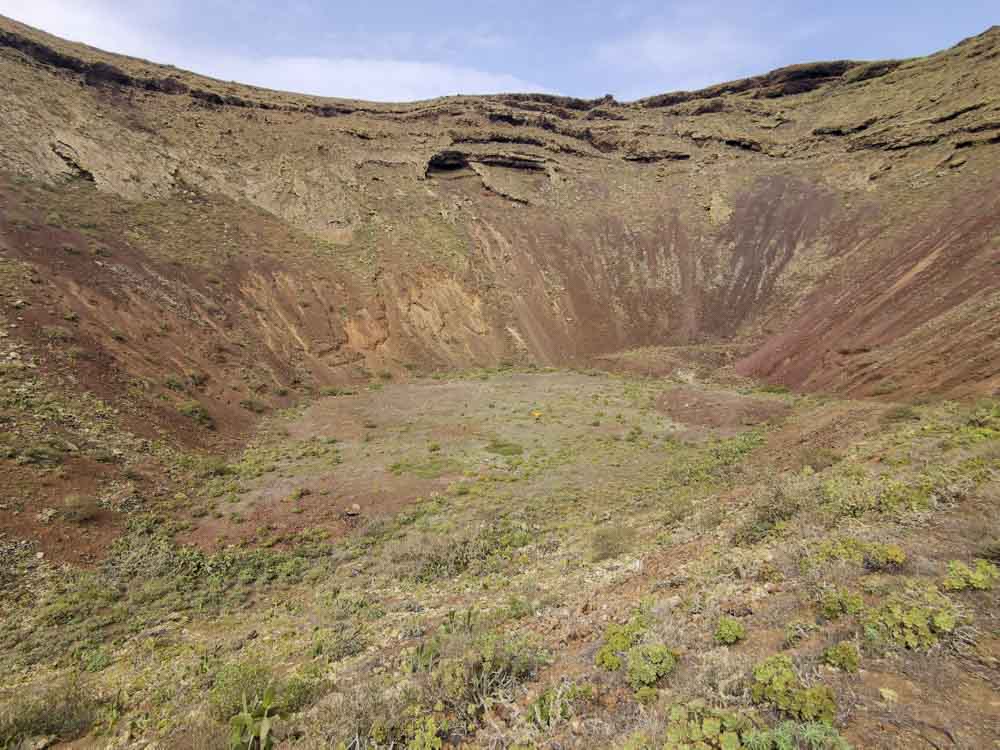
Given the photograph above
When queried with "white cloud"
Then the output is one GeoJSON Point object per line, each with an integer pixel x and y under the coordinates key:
{"type": "Point", "coordinates": [697, 44]}
{"type": "Point", "coordinates": [130, 28]}
{"type": "Point", "coordinates": [99, 23]}
{"type": "Point", "coordinates": [686, 58]}
{"type": "Point", "coordinates": [363, 78]}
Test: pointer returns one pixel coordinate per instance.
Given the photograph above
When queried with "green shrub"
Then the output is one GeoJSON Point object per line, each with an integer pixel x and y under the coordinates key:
{"type": "Point", "coordinates": [40, 453]}
{"type": "Point", "coordinates": [844, 656]}
{"type": "Point", "coordinates": [239, 683]}
{"type": "Point", "coordinates": [776, 684]}
{"type": "Point", "coordinates": [470, 674]}
{"type": "Point", "coordinates": [58, 334]}
{"type": "Point", "coordinates": [336, 391]}
{"type": "Point", "coordinates": [884, 557]}
{"type": "Point", "coordinates": [647, 664]}
{"type": "Point", "coordinates": [250, 729]}
{"type": "Point", "coordinates": [729, 630]}
{"type": "Point", "coordinates": [697, 725]}
{"type": "Point", "coordinates": [427, 468]}
{"type": "Point", "coordinates": [838, 602]}
{"type": "Point", "coordinates": [558, 704]}
{"type": "Point", "coordinates": [337, 644]}
{"type": "Point", "coordinates": [769, 514]}
{"type": "Point", "coordinates": [979, 578]}
{"type": "Point", "coordinates": [619, 639]}
{"type": "Point", "coordinates": [492, 545]}
{"type": "Point", "coordinates": [797, 631]}
{"type": "Point", "coordinates": [791, 735]}
{"type": "Point", "coordinates": [174, 383]}
{"type": "Point", "coordinates": [915, 619]}
{"type": "Point", "coordinates": [874, 556]}
{"type": "Point", "coordinates": [197, 412]}
{"type": "Point", "coordinates": [900, 413]}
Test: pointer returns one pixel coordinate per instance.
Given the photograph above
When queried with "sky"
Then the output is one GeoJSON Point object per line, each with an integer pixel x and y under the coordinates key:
{"type": "Point", "coordinates": [403, 50]}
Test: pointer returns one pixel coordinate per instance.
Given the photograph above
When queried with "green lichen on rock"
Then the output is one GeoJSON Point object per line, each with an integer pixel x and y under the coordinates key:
{"type": "Point", "coordinates": [776, 684]}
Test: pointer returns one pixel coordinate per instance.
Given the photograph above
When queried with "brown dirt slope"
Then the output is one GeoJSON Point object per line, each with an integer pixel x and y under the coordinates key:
{"type": "Point", "coordinates": [838, 219]}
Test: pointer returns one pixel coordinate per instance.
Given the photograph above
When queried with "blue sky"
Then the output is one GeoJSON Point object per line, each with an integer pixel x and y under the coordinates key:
{"type": "Point", "coordinates": [397, 50]}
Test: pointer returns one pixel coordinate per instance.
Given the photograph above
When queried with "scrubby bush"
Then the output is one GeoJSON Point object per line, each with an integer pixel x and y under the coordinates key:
{"type": "Point", "coordinates": [251, 687]}
{"type": "Point", "coordinates": [618, 639]}
{"type": "Point", "coordinates": [236, 683]}
{"type": "Point", "coordinates": [473, 671]}
{"type": "Point", "coordinates": [647, 664]}
{"type": "Point", "coordinates": [797, 631]}
{"type": "Point", "coordinates": [697, 725]}
{"type": "Point", "coordinates": [819, 459]}
{"type": "Point", "coordinates": [65, 709]}
{"type": "Point", "coordinates": [33, 452]}
{"type": "Point", "coordinates": [490, 546]}
{"type": "Point", "coordinates": [197, 412]}
{"type": "Point", "coordinates": [80, 508]}
{"type": "Point", "coordinates": [253, 405]}
{"type": "Point", "coordinates": [558, 704]}
{"type": "Point", "coordinates": [884, 557]}
{"type": "Point", "coordinates": [770, 513]}
{"type": "Point", "coordinates": [961, 577]}
{"type": "Point", "coordinates": [836, 602]}
{"type": "Point", "coordinates": [875, 556]}
{"type": "Point", "coordinates": [791, 735]}
{"type": "Point", "coordinates": [729, 630]}
{"type": "Point", "coordinates": [844, 656]}
{"type": "Point", "coordinates": [776, 684]}
{"type": "Point", "coordinates": [915, 619]}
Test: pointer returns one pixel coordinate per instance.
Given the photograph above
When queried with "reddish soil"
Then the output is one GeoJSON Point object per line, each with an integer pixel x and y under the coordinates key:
{"type": "Point", "coordinates": [34, 510]}
{"type": "Point", "coordinates": [719, 410]}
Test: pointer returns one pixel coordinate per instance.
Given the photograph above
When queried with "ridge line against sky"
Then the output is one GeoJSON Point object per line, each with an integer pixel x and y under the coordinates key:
{"type": "Point", "coordinates": [392, 50]}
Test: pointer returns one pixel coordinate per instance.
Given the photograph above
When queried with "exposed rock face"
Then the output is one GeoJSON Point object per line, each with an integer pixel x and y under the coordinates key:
{"type": "Point", "coordinates": [841, 218]}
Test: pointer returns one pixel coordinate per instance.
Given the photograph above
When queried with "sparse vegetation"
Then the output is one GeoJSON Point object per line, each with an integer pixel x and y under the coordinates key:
{"type": "Point", "coordinates": [80, 508]}
{"type": "Point", "coordinates": [771, 511]}
{"type": "Point", "coordinates": [459, 597]}
{"type": "Point", "coordinates": [197, 412]}
{"type": "Point", "coordinates": [504, 448]}
{"type": "Point", "coordinates": [610, 542]}
{"type": "Point", "coordinates": [66, 709]}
